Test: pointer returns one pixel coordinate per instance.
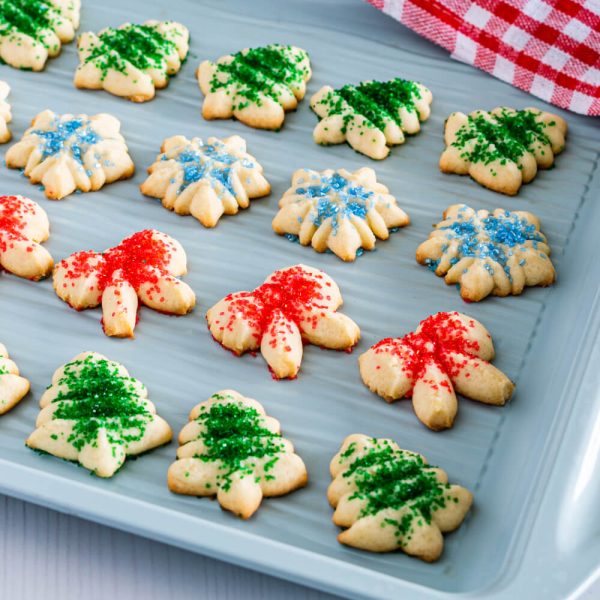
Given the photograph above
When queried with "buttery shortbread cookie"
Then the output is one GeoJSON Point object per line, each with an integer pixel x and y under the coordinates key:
{"type": "Point", "coordinates": [484, 253]}
{"type": "Point", "coordinates": [131, 61]}
{"type": "Point", "coordinates": [232, 450]}
{"type": "Point", "coordinates": [391, 499]}
{"type": "Point", "coordinates": [504, 148]}
{"type": "Point", "coordinates": [23, 226]}
{"type": "Point", "coordinates": [205, 180]}
{"type": "Point", "coordinates": [144, 266]}
{"type": "Point", "coordinates": [257, 86]}
{"type": "Point", "coordinates": [372, 115]}
{"type": "Point", "coordinates": [66, 153]}
{"type": "Point", "coordinates": [33, 30]}
{"type": "Point", "coordinates": [294, 305]}
{"type": "Point", "coordinates": [338, 210]}
{"type": "Point", "coordinates": [5, 114]}
{"type": "Point", "coordinates": [449, 352]}
{"type": "Point", "coordinates": [96, 414]}
{"type": "Point", "coordinates": [13, 387]}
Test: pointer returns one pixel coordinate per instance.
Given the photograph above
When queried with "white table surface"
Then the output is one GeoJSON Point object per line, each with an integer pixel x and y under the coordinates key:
{"type": "Point", "coordinates": [53, 556]}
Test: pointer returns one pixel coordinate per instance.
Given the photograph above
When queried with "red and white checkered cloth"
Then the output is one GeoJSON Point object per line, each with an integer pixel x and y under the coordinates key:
{"type": "Point", "coordinates": [549, 48]}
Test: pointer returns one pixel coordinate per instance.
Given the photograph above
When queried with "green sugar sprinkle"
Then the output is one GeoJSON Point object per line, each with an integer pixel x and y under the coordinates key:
{"type": "Point", "coordinates": [389, 478]}
{"type": "Point", "coordinates": [142, 46]}
{"type": "Point", "coordinates": [34, 18]}
{"type": "Point", "coordinates": [507, 136]}
{"type": "Point", "coordinates": [98, 397]}
{"type": "Point", "coordinates": [377, 101]}
{"type": "Point", "coordinates": [235, 435]}
{"type": "Point", "coordinates": [260, 71]}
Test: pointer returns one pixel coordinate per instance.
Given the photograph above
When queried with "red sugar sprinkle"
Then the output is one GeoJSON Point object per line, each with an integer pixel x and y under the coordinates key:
{"type": "Point", "coordinates": [13, 219]}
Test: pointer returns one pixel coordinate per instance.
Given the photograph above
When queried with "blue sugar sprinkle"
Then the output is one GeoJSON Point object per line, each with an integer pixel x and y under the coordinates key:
{"type": "Point", "coordinates": [291, 237]}
{"type": "Point", "coordinates": [74, 136]}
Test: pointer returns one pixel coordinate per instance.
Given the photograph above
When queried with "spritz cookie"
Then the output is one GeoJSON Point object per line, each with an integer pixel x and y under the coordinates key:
{"type": "Point", "coordinates": [205, 180]}
{"type": "Point", "coordinates": [233, 450]}
{"type": "Point", "coordinates": [13, 387]}
{"type": "Point", "coordinates": [257, 86]}
{"type": "Point", "coordinates": [448, 353]}
{"type": "Point", "coordinates": [143, 267]}
{"type": "Point", "coordinates": [23, 227]}
{"type": "Point", "coordinates": [339, 211]}
{"type": "Point", "coordinates": [66, 153]}
{"type": "Point", "coordinates": [94, 413]}
{"type": "Point", "coordinates": [371, 116]}
{"type": "Point", "coordinates": [131, 61]}
{"type": "Point", "coordinates": [504, 148]}
{"type": "Point", "coordinates": [485, 253]}
{"type": "Point", "coordinates": [5, 113]}
{"type": "Point", "coordinates": [391, 499]}
{"type": "Point", "coordinates": [293, 306]}
{"type": "Point", "coordinates": [31, 31]}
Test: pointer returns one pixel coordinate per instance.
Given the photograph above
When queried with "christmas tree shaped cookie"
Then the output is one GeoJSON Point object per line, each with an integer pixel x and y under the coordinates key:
{"type": "Point", "coordinates": [232, 450]}
{"type": "Point", "coordinates": [5, 114]}
{"type": "Point", "coordinates": [449, 351]}
{"type": "Point", "coordinates": [338, 210]}
{"type": "Point", "coordinates": [23, 226]}
{"type": "Point", "coordinates": [205, 180]}
{"type": "Point", "coordinates": [391, 499]}
{"type": "Point", "coordinates": [31, 31]}
{"type": "Point", "coordinates": [371, 116]}
{"type": "Point", "coordinates": [13, 387]}
{"type": "Point", "coordinates": [294, 305]}
{"type": "Point", "coordinates": [131, 61]}
{"type": "Point", "coordinates": [66, 153]}
{"type": "Point", "coordinates": [504, 148]}
{"type": "Point", "coordinates": [96, 414]}
{"type": "Point", "coordinates": [485, 253]}
{"type": "Point", "coordinates": [256, 86]}
{"type": "Point", "coordinates": [144, 266]}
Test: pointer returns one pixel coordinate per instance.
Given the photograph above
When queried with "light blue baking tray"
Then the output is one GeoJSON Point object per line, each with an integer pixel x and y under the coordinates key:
{"type": "Point", "coordinates": [534, 465]}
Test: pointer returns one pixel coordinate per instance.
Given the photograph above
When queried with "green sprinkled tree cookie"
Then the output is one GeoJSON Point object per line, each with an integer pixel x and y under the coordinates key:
{"type": "Point", "coordinates": [96, 414]}
{"type": "Point", "coordinates": [205, 180]}
{"type": "Point", "coordinates": [504, 148]}
{"type": "Point", "coordinates": [13, 387]}
{"type": "Point", "coordinates": [5, 114]}
{"type": "Point", "coordinates": [132, 61]}
{"type": "Point", "coordinates": [31, 31]}
{"type": "Point", "coordinates": [391, 499]}
{"type": "Point", "coordinates": [370, 116]}
{"type": "Point", "coordinates": [256, 85]}
{"type": "Point", "coordinates": [232, 450]}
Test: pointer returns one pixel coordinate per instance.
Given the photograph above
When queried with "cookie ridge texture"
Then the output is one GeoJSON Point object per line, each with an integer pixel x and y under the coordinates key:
{"type": "Point", "coordinates": [5, 113]}
{"type": "Point", "coordinates": [13, 387]}
{"type": "Point", "coordinates": [232, 449]}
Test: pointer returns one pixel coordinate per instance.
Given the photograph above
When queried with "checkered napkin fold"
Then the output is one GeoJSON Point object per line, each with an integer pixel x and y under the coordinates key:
{"type": "Point", "coordinates": [549, 48]}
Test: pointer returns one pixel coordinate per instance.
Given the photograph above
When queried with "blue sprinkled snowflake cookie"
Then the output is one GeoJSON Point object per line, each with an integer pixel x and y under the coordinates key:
{"type": "Point", "coordinates": [205, 180]}
{"type": "Point", "coordinates": [66, 153]}
{"type": "Point", "coordinates": [339, 211]}
{"type": "Point", "coordinates": [487, 253]}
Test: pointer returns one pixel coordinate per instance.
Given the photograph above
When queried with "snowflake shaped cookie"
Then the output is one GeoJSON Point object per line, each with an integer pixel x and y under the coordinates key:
{"type": "Point", "coordinates": [205, 180]}
{"type": "Point", "coordinates": [94, 413]}
{"type": "Point", "coordinates": [232, 450]}
{"type": "Point", "coordinates": [257, 86]}
{"type": "Point", "coordinates": [392, 499]}
{"type": "Point", "coordinates": [294, 305]}
{"type": "Point", "coordinates": [66, 153]}
{"type": "Point", "coordinates": [371, 116]}
{"type": "Point", "coordinates": [5, 113]}
{"type": "Point", "coordinates": [144, 266]}
{"type": "Point", "coordinates": [23, 226]}
{"type": "Point", "coordinates": [338, 210]}
{"type": "Point", "coordinates": [504, 148]}
{"type": "Point", "coordinates": [449, 352]}
{"type": "Point", "coordinates": [13, 387]}
{"type": "Point", "coordinates": [486, 253]}
{"type": "Point", "coordinates": [31, 31]}
{"type": "Point", "coordinates": [131, 61]}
